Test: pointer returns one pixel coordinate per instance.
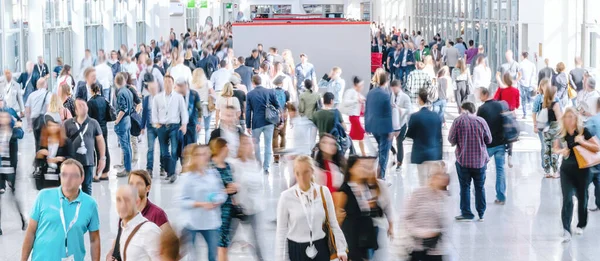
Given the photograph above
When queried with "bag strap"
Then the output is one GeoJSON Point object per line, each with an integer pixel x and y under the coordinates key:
{"type": "Point", "coordinates": [327, 219]}
{"type": "Point", "coordinates": [135, 230]}
{"type": "Point", "coordinates": [43, 110]}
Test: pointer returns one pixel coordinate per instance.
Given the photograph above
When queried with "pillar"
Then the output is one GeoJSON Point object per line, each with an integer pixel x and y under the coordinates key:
{"type": "Point", "coordinates": [108, 27]}
{"type": "Point", "coordinates": [36, 31]}
{"type": "Point", "coordinates": [130, 21]}
{"type": "Point", "coordinates": [78, 35]}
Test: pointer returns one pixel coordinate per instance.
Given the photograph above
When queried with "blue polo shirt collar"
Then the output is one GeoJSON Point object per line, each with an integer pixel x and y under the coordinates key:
{"type": "Point", "coordinates": [77, 199]}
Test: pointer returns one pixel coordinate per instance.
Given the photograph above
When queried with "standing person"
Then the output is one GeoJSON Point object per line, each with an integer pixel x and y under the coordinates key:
{"type": "Point", "coordinates": [332, 82]}
{"type": "Point", "coordinates": [99, 110]}
{"type": "Point", "coordinates": [40, 70]}
{"type": "Point", "coordinates": [444, 83]}
{"type": "Point", "coordinates": [79, 211]}
{"type": "Point", "coordinates": [425, 217]}
{"type": "Point", "coordinates": [253, 60]}
{"type": "Point", "coordinates": [378, 121]}
{"type": "Point", "coordinates": [169, 116]}
{"type": "Point", "coordinates": [482, 75]}
{"type": "Point", "coordinates": [471, 52]}
{"type": "Point", "coordinates": [65, 77]}
{"type": "Point", "coordinates": [207, 96]}
{"type": "Point", "coordinates": [283, 98]}
{"type": "Point", "coordinates": [247, 173]}
{"type": "Point", "coordinates": [548, 130]}
{"type": "Point", "coordinates": [436, 56]}
{"type": "Point", "coordinates": [416, 80]}
{"type": "Point", "coordinates": [226, 99]}
{"type": "Point", "coordinates": [462, 83]}
{"type": "Point", "coordinates": [330, 161]}
{"type": "Point", "coordinates": [303, 210]}
{"type": "Point", "coordinates": [574, 181]}
{"type": "Point", "coordinates": [286, 81]}
{"type": "Point", "coordinates": [13, 95]}
{"type": "Point", "coordinates": [475, 60]}
{"type": "Point", "coordinates": [25, 80]}
{"type": "Point", "coordinates": [256, 123]}
{"type": "Point", "coordinates": [36, 107]}
{"type": "Point", "coordinates": [578, 74]}
{"type": "Point", "coordinates": [563, 82]}
{"type": "Point", "coordinates": [304, 71]}
{"type": "Point", "coordinates": [401, 103]}
{"type": "Point", "coordinates": [546, 72]}
{"type": "Point", "coordinates": [240, 91]}
{"type": "Point", "coordinates": [55, 148]}
{"type": "Point", "coordinates": [151, 131]}
{"type": "Point", "coordinates": [353, 104]}
{"type": "Point", "coordinates": [593, 125]}
{"type": "Point", "coordinates": [58, 67]}
{"type": "Point", "coordinates": [310, 100]}
{"type": "Point", "coordinates": [219, 78]}
{"type": "Point", "coordinates": [425, 129]}
{"type": "Point", "coordinates": [491, 111]}
{"type": "Point", "coordinates": [68, 102]}
{"type": "Point", "coordinates": [245, 72]}
{"type": "Point", "coordinates": [194, 108]}
{"type": "Point", "coordinates": [138, 238]}
{"type": "Point", "coordinates": [105, 76]}
{"type": "Point", "coordinates": [470, 134]}
{"type": "Point", "coordinates": [587, 99]}
{"type": "Point", "coordinates": [122, 127]}
{"type": "Point", "coordinates": [404, 62]}
{"type": "Point", "coordinates": [451, 55]}
{"type": "Point", "coordinates": [509, 95]}
{"type": "Point", "coordinates": [9, 150]}
{"type": "Point", "coordinates": [83, 90]}
{"type": "Point", "coordinates": [201, 195]}
{"type": "Point", "coordinates": [324, 119]}
{"type": "Point", "coordinates": [86, 135]}
{"type": "Point", "coordinates": [527, 82]}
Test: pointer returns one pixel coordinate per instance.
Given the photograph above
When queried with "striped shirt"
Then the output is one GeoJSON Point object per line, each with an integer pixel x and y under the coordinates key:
{"type": "Point", "coordinates": [5, 167]}
{"type": "Point", "coordinates": [470, 134]}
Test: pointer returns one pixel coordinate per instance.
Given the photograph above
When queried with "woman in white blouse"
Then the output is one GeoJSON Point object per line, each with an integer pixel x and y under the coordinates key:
{"type": "Point", "coordinates": [301, 215]}
{"type": "Point", "coordinates": [226, 99]}
{"type": "Point", "coordinates": [352, 105]}
{"type": "Point", "coordinates": [482, 75]}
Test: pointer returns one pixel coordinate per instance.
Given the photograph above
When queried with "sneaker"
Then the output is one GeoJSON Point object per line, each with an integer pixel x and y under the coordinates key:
{"type": "Point", "coordinates": [566, 237]}
{"type": "Point", "coordinates": [462, 218]}
{"type": "Point", "coordinates": [399, 166]}
{"type": "Point", "coordinates": [173, 178]}
{"type": "Point", "coordinates": [2, 191]}
{"type": "Point", "coordinates": [510, 165]}
{"type": "Point", "coordinates": [498, 202]}
{"type": "Point", "coordinates": [149, 172]}
{"type": "Point", "coordinates": [579, 230]}
{"type": "Point", "coordinates": [118, 166]}
{"type": "Point", "coordinates": [480, 220]}
{"type": "Point", "coordinates": [266, 172]}
{"type": "Point", "coordinates": [389, 184]}
{"type": "Point", "coordinates": [163, 172]}
{"type": "Point", "coordinates": [122, 174]}
{"type": "Point", "coordinates": [594, 209]}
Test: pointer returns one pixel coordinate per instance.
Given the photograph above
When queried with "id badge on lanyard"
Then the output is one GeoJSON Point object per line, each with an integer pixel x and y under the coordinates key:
{"type": "Point", "coordinates": [82, 149]}
{"type": "Point", "coordinates": [67, 229]}
{"type": "Point", "coordinates": [306, 200]}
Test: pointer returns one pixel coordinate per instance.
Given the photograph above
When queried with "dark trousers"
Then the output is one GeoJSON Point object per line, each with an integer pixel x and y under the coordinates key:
{"type": "Point", "coordinates": [107, 165]}
{"type": "Point", "coordinates": [574, 182]}
{"type": "Point", "coordinates": [11, 183]}
{"type": "Point", "coordinates": [465, 175]}
{"type": "Point", "coordinates": [167, 138]}
{"type": "Point", "coordinates": [297, 251]}
{"type": "Point", "coordinates": [279, 139]}
{"type": "Point", "coordinates": [190, 135]}
{"type": "Point", "coordinates": [10, 178]}
{"type": "Point", "coordinates": [384, 144]}
{"type": "Point", "coordinates": [402, 73]}
{"type": "Point", "coordinates": [423, 256]}
{"type": "Point", "coordinates": [88, 172]}
{"type": "Point", "coordinates": [596, 181]}
{"type": "Point", "coordinates": [36, 134]}
{"type": "Point", "coordinates": [461, 93]}
{"type": "Point", "coordinates": [400, 144]}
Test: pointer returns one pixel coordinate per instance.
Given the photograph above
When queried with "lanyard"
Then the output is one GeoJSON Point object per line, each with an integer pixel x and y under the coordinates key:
{"type": "Point", "coordinates": [62, 219]}
{"type": "Point", "coordinates": [82, 133]}
{"type": "Point", "coordinates": [306, 200]}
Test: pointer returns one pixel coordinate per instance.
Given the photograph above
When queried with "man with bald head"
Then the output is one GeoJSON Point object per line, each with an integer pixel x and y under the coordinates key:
{"type": "Point", "coordinates": [137, 238]}
{"type": "Point", "coordinates": [511, 67]}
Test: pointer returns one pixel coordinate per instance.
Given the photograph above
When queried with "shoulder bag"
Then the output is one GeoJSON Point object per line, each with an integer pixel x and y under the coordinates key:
{"type": "Point", "coordinates": [135, 230]}
{"type": "Point", "coordinates": [327, 229]}
{"type": "Point", "coordinates": [40, 120]}
{"type": "Point", "coordinates": [272, 114]}
{"type": "Point", "coordinates": [570, 90]}
{"type": "Point", "coordinates": [586, 158]}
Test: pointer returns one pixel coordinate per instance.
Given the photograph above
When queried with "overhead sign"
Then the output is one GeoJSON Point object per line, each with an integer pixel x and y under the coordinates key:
{"type": "Point", "coordinates": [191, 4]}
{"type": "Point", "coordinates": [203, 3]}
{"type": "Point", "coordinates": [228, 5]}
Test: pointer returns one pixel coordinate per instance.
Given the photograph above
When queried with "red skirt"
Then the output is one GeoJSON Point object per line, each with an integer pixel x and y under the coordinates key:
{"type": "Point", "coordinates": [357, 132]}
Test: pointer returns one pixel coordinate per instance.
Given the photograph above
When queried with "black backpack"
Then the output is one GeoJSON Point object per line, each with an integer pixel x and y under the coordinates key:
{"type": "Point", "coordinates": [148, 77]}
{"type": "Point", "coordinates": [210, 68]}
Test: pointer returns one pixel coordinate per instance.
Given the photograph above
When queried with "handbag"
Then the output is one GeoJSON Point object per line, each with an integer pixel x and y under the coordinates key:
{"type": "Point", "coordinates": [328, 233]}
{"type": "Point", "coordinates": [272, 114]}
{"type": "Point", "coordinates": [585, 158]}
{"type": "Point", "coordinates": [38, 173]}
{"type": "Point", "coordinates": [339, 133]}
{"type": "Point", "coordinates": [40, 120]}
{"type": "Point", "coordinates": [570, 90]}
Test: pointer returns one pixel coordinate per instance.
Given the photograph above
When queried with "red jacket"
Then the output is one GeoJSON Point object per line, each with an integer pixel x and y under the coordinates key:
{"type": "Point", "coordinates": [510, 95]}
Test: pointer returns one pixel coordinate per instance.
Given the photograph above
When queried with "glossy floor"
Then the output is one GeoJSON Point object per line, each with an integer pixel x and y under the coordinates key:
{"type": "Point", "coordinates": [527, 228]}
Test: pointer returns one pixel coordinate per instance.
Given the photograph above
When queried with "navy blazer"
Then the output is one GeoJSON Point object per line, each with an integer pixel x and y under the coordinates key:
{"type": "Point", "coordinates": [410, 58]}
{"type": "Point", "coordinates": [256, 104]}
{"type": "Point", "coordinates": [146, 112]}
{"type": "Point", "coordinates": [378, 112]}
{"type": "Point", "coordinates": [193, 111]}
{"type": "Point", "coordinates": [81, 91]}
{"type": "Point", "coordinates": [425, 129]}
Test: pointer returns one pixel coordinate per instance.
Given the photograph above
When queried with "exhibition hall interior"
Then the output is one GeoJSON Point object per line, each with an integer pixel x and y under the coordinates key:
{"type": "Point", "coordinates": [300, 130]}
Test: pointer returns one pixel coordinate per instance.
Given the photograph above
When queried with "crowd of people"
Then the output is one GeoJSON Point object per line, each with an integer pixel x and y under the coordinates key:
{"type": "Point", "coordinates": [338, 205]}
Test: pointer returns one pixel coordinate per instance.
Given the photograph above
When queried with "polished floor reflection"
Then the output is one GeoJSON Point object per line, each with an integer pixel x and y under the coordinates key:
{"type": "Point", "coordinates": [527, 228]}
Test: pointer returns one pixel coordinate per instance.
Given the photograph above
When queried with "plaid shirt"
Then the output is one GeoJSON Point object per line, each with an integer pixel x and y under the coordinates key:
{"type": "Point", "coordinates": [470, 134]}
{"type": "Point", "coordinates": [416, 80]}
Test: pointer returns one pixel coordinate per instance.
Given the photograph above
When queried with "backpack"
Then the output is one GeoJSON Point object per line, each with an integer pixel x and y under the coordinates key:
{"type": "Point", "coordinates": [210, 68]}
{"type": "Point", "coordinates": [542, 118]}
{"type": "Point", "coordinates": [148, 77]}
{"type": "Point", "coordinates": [281, 97]}
{"type": "Point", "coordinates": [342, 139]}
{"type": "Point", "coordinates": [509, 124]}
{"type": "Point", "coordinates": [432, 91]}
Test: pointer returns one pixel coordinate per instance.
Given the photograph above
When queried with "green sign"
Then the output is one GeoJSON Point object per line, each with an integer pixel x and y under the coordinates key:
{"type": "Point", "coordinates": [191, 4]}
{"type": "Point", "coordinates": [203, 3]}
{"type": "Point", "coordinates": [228, 5]}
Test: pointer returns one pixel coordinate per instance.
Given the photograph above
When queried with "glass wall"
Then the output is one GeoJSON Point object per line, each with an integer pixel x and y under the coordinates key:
{"type": "Point", "coordinates": [120, 23]}
{"type": "Point", "coordinates": [140, 23]}
{"type": "Point", "coordinates": [192, 18]}
{"type": "Point", "coordinates": [491, 23]}
{"type": "Point", "coordinates": [94, 31]}
{"type": "Point", "coordinates": [58, 35]}
{"type": "Point", "coordinates": [267, 11]}
{"type": "Point", "coordinates": [13, 26]}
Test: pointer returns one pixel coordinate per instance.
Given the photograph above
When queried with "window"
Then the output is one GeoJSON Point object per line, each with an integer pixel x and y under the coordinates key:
{"type": "Point", "coordinates": [140, 36]}
{"type": "Point", "coordinates": [192, 18]}
{"type": "Point", "coordinates": [267, 11]}
{"type": "Point", "coordinates": [94, 31]}
{"type": "Point", "coordinates": [120, 25]}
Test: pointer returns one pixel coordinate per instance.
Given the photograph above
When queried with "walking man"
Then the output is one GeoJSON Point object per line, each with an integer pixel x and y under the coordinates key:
{"type": "Point", "coordinates": [378, 121]}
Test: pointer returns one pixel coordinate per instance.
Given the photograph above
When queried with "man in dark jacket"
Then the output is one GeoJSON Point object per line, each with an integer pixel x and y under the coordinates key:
{"type": "Point", "coordinates": [253, 61]}
{"type": "Point", "coordinates": [245, 73]}
{"type": "Point", "coordinates": [378, 121]}
{"type": "Point", "coordinates": [194, 107]}
{"type": "Point", "coordinates": [39, 70]}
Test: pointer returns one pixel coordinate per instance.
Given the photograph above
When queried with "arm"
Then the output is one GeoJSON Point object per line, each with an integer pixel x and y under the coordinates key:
{"type": "Point", "coordinates": [20, 99]}
{"type": "Point", "coordinates": [145, 111]}
{"type": "Point", "coordinates": [339, 201]}
{"type": "Point", "coordinates": [122, 107]}
{"type": "Point", "coordinates": [487, 138]}
{"type": "Point", "coordinates": [249, 113]}
{"type": "Point", "coordinates": [28, 241]}
{"type": "Point", "coordinates": [185, 117]}
{"type": "Point", "coordinates": [153, 244]}
{"type": "Point", "coordinates": [301, 105]}
{"type": "Point", "coordinates": [340, 240]}
{"type": "Point", "coordinates": [155, 112]}
{"type": "Point", "coordinates": [281, 232]}
{"type": "Point", "coordinates": [452, 134]}
{"type": "Point", "coordinates": [109, 256]}
{"type": "Point", "coordinates": [102, 151]}
{"type": "Point", "coordinates": [557, 111]}
{"type": "Point", "coordinates": [95, 245]}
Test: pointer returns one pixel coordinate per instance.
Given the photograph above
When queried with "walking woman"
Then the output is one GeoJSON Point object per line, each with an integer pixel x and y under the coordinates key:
{"type": "Point", "coordinates": [574, 181]}
{"type": "Point", "coordinates": [207, 96]}
{"type": "Point", "coordinates": [462, 82]}
{"type": "Point", "coordinates": [562, 81]}
{"type": "Point", "coordinates": [249, 175]}
{"type": "Point", "coordinates": [510, 95]}
{"type": "Point", "coordinates": [65, 78]}
{"type": "Point", "coordinates": [549, 128]}
{"type": "Point", "coordinates": [330, 162]}
{"type": "Point", "coordinates": [353, 104]}
{"type": "Point", "coordinates": [444, 83]}
{"type": "Point", "coordinates": [219, 152]}
{"type": "Point", "coordinates": [56, 109]}
{"type": "Point", "coordinates": [9, 150]}
{"type": "Point", "coordinates": [54, 149]}
{"type": "Point", "coordinates": [98, 110]}
{"type": "Point", "coordinates": [425, 217]}
{"type": "Point", "coordinates": [227, 99]}
{"type": "Point", "coordinates": [303, 212]}
{"type": "Point", "coordinates": [202, 193]}
{"type": "Point", "coordinates": [68, 102]}
{"type": "Point", "coordinates": [310, 100]}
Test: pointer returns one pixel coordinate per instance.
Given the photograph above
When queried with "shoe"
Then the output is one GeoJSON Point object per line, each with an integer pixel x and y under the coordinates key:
{"type": "Point", "coordinates": [498, 202]}
{"type": "Point", "coordinates": [95, 180]}
{"type": "Point", "coordinates": [266, 172]}
{"type": "Point", "coordinates": [524, 117]}
{"type": "Point", "coordinates": [118, 166]}
{"type": "Point", "coordinates": [462, 218]}
{"type": "Point", "coordinates": [103, 178]}
{"type": "Point", "coordinates": [173, 178]}
{"type": "Point", "coordinates": [566, 237]}
{"type": "Point", "coordinates": [594, 209]}
{"type": "Point", "coordinates": [389, 184]}
{"type": "Point", "coordinates": [0, 231]}
{"type": "Point", "coordinates": [579, 231]}
{"type": "Point", "coordinates": [150, 172]}
{"type": "Point", "coordinates": [122, 174]}
{"type": "Point", "coordinates": [510, 165]}
{"type": "Point", "coordinates": [399, 166]}
{"type": "Point", "coordinates": [163, 172]}
{"type": "Point", "coordinates": [2, 191]}
{"type": "Point", "coordinates": [480, 220]}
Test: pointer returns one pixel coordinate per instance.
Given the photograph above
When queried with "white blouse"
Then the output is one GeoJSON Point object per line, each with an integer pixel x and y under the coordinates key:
{"type": "Point", "coordinates": [351, 102]}
{"type": "Point", "coordinates": [292, 223]}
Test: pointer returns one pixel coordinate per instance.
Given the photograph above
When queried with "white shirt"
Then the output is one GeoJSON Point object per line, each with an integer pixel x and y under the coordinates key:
{"type": "Point", "coordinates": [169, 109]}
{"type": "Point", "coordinates": [418, 40]}
{"type": "Point", "coordinates": [67, 79]}
{"type": "Point", "coordinates": [587, 101]}
{"type": "Point", "coordinates": [36, 100]}
{"type": "Point", "coordinates": [144, 245]}
{"type": "Point", "coordinates": [249, 175]}
{"type": "Point", "coordinates": [219, 78]}
{"type": "Point", "coordinates": [265, 80]}
{"type": "Point", "coordinates": [181, 71]}
{"type": "Point", "coordinates": [351, 101]}
{"type": "Point", "coordinates": [482, 76]}
{"type": "Point", "coordinates": [292, 223]}
{"type": "Point", "coordinates": [528, 73]}
{"type": "Point", "coordinates": [104, 75]}
{"type": "Point", "coordinates": [132, 69]}
{"type": "Point", "coordinates": [13, 96]}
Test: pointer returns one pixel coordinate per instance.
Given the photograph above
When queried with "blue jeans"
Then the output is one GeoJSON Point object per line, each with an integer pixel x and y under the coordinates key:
{"type": "Point", "coordinates": [465, 175]}
{"type": "Point", "coordinates": [543, 147]}
{"type": "Point", "coordinates": [210, 236]}
{"type": "Point", "coordinates": [206, 121]}
{"type": "Point", "coordinates": [123, 134]}
{"type": "Point", "coordinates": [151, 134]}
{"type": "Point", "coordinates": [267, 132]}
{"type": "Point", "coordinates": [525, 92]}
{"type": "Point", "coordinates": [498, 154]}
{"type": "Point", "coordinates": [439, 106]}
{"type": "Point", "coordinates": [190, 136]}
{"type": "Point", "coordinates": [167, 137]}
{"type": "Point", "coordinates": [384, 144]}
{"type": "Point", "coordinates": [402, 73]}
{"type": "Point", "coordinates": [88, 172]}
{"type": "Point", "coordinates": [106, 94]}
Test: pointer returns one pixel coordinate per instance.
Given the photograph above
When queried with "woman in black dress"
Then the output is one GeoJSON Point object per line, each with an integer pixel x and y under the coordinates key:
{"type": "Point", "coordinates": [54, 149]}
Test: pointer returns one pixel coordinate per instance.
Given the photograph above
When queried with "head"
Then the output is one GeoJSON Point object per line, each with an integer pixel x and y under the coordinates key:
{"type": "Point", "coordinates": [4, 118]}
{"type": "Point", "coordinates": [246, 149]}
{"type": "Point", "coordinates": [152, 88]}
{"type": "Point", "coordinates": [181, 86]}
{"type": "Point", "coordinates": [199, 156]}
{"type": "Point", "coordinates": [467, 107]}
{"type": "Point", "coordinates": [88, 53]}
{"type": "Point", "coordinates": [121, 79]}
{"type": "Point", "coordinates": [8, 75]}
{"type": "Point", "coordinates": [227, 90]}
{"type": "Point", "coordinates": [480, 49]}
{"type": "Point", "coordinates": [59, 61]}
{"type": "Point", "coordinates": [524, 55]}
{"type": "Point", "coordinates": [308, 84]}
{"type": "Point", "coordinates": [218, 149]}
{"type": "Point", "coordinates": [328, 98]}
{"type": "Point", "coordinates": [439, 179]}
{"type": "Point", "coordinates": [272, 50]}
{"type": "Point", "coordinates": [560, 67]}
{"type": "Point", "coordinates": [358, 83]}
{"type": "Point", "coordinates": [396, 86]}
{"type": "Point", "coordinates": [198, 78]}
{"type": "Point", "coordinates": [90, 75]}
{"type": "Point", "coordinates": [256, 81]}
{"type": "Point", "coordinates": [578, 61]}
{"type": "Point", "coordinates": [169, 83]}
{"type": "Point", "coordinates": [303, 58]}
{"type": "Point", "coordinates": [278, 66]}
{"type": "Point", "coordinates": [127, 202]}
{"type": "Point", "coordinates": [66, 70]}
{"type": "Point", "coordinates": [29, 66]}
{"type": "Point", "coordinates": [337, 72]}
{"type": "Point", "coordinates": [471, 43]}
{"type": "Point", "coordinates": [223, 64]}
{"type": "Point", "coordinates": [484, 93]}
{"type": "Point", "coordinates": [259, 47]}
{"type": "Point", "coordinates": [71, 175]}
{"type": "Point", "coordinates": [359, 169]}
{"type": "Point", "coordinates": [65, 90]}
{"type": "Point", "coordinates": [570, 121]}
{"type": "Point", "coordinates": [141, 180]}
{"type": "Point", "coordinates": [95, 88]}
{"type": "Point", "coordinates": [509, 56]}
{"type": "Point", "coordinates": [549, 92]}
{"type": "Point", "coordinates": [590, 83]}
{"type": "Point", "coordinates": [481, 60]}
{"type": "Point", "coordinates": [42, 83]}
{"type": "Point", "coordinates": [304, 169]}
{"type": "Point", "coordinates": [507, 79]}
{"type": "Point", "coordinates": [55, 103]}
{"type": "Point", "coordinates": [81, 107]}
{"type": "Point", "coordinates": [422, 97]}
{"type": "Point", "coordinates": [328, 145]}
{"type": "Point", "coordinates": [254, 53]}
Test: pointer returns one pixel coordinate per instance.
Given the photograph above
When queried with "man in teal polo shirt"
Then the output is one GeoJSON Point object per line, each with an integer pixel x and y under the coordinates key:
{"type": "Point", "coordinates": [59, 219]}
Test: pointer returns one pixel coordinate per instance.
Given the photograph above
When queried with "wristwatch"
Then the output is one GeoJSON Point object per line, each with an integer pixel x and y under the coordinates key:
{"type": "Point", "coordinates": [103, 158]}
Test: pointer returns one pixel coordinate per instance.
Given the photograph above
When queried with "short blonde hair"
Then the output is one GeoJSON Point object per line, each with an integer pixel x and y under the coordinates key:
{"type": "Point", "coordinates": [199, 78]}
{"type": "Point", "coordinates": [337, 69]}
{"type": "Point", "coordinates": [227, 90]}
{"type": "Point", "coordinates": [303, 159]}
{"type": "Point", "coordinates": [55, 104]}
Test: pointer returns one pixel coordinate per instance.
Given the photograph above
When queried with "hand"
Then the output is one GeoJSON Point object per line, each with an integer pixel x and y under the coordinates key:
{"type": "Point", "coordinates": [117, 122]}
{"type": "Point", "coordinates": [100, 168]}
{"type": "Point", "coordinates": [198, 127]}
{"type": "Point", "coordinates": [59, 159]}
{"type": "Point", "coordinates": [110, 258]}
{"type": "Point", "coordinates": [231, 188]}
{"type": "Point", "coordinates": [390, 231]}
{"type": "Point", "coordinates": [183, 129]}
{"type": "Point", "coordinates": [563, 152]}
{"type": "Point", "coordinates": [535, 129]}
{"type": "Point", "coordinates": [29, 129]}
{"type": "Point", "coordinates": [343, 258]}
{"type": "Point", "coordinates": [430, 234]}
{"type": "Point", "coordinates": [143, 131]}
{"type": "Point", "coordinates": [157, 126]}
{"type": "Point", "coordinates": [249, 131]}
{"type": "Point", "coordinates": [18, 124]}
{"type": "Point", "coordinates": [579, 139]}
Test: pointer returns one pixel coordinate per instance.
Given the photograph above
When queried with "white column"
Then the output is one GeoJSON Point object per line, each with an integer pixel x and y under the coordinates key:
{"type": "Point", "coordinates": [108, 27]}
{"type": "Point", "coordinates": [162, 19]}
{"type": "Point", "coordinates": [78, 27]}
{"type": "Point", "coordinates": [36, 31]}
{"type": "Point", "coordinates": [130, 20]}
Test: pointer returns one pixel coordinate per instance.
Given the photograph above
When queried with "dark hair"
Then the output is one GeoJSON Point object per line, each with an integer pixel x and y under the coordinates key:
{"type": "Point", "coordinates": [254, 50]}
{"type": "Point", "coordinates": [423, 95]}
{"type": "Point", "coordinates": [216, 146]}
{"type": "Point", "coordinates": [525, 54]}
{"type": "Point", "coordinates": [222, 63]}
{"type": "Point", "coordinates": [418, 32]}
{"type": "Point", "coordinates": [240, 60]}
{"type": "Point", "coordinates": [256, 80]}
{"type": "Point", "coordinates": [471, 42]}
{"type": "Point", "coordinates": [95, 88]}
{"type": "Point", "coordinates": [451, 43]}
{"type": "Point", "coordinates": [142, 174]}
{"type": "Point", "coordinates": [484, 91]}
{"type": "Point", "coordinates": [352, 160]}
{"type": "Point", "coordinates": [337, 158]}
{"type": "Point", "coordinates": [395, 83]}
{"type": "Point", "coordinates": [277, 65]}
{"type": "Point", "coordinates": [265, 66]}
{"type": "Point", "coordinates": [328, 98]}
{"type": "Point", "coordinates": [72, 162]}
{"type": "Point", "coordinates": [468, 106]}
{"type": "Point", "coordinates": [169, 77]}
{"type": "Point", "coordinates": [156, 59]}
{"type": "Point", "coordinates": [66, 68]}
{"type": "Point", "coordinates": [308, 84]}
{"type": "Point", "coordinates": [356, 80]}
